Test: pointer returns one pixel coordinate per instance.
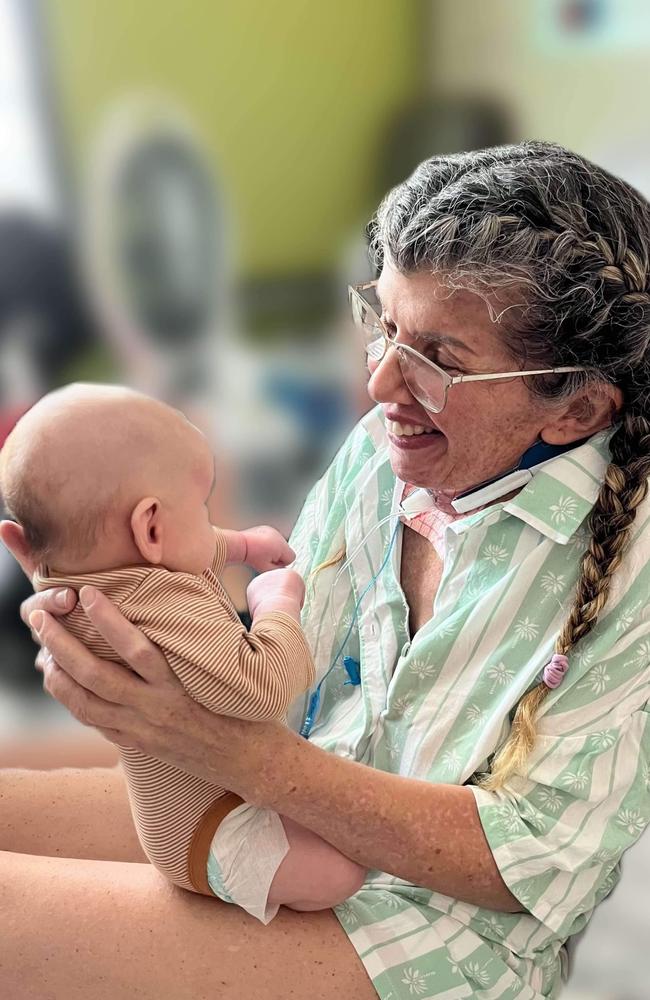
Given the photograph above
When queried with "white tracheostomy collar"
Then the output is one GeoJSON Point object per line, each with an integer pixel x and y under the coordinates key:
{"type": "Point", "coordinates": [422, 499]}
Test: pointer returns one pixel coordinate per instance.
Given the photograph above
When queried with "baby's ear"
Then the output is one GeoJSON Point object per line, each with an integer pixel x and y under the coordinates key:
{"type": "Point", "coordinates": [147, 529]}
{"type": "Point", "coordinates": [13, 536]}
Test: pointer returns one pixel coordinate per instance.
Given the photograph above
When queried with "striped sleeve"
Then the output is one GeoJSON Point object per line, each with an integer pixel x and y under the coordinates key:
{"type": "Point", "coordinates": [557, 836]}
{"type": "Point", "coordinates": [252, 675]}
{"type": "Point", "coordinates": [220, 552]}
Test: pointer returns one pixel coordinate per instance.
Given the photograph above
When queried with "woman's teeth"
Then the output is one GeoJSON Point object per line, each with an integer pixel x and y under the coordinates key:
{"type": "Point", "coordinates": [406, 430]}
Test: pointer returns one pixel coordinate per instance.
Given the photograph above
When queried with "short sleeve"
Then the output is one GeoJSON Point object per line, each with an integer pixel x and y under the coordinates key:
{"type": "Point", "coordinates": [557, 836]}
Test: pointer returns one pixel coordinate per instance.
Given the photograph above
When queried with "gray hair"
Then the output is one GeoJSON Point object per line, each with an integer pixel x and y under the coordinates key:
{"type": "Point", "coordinates": [560, 243]}
{"type": "Point", "coordinates": [562, 246]}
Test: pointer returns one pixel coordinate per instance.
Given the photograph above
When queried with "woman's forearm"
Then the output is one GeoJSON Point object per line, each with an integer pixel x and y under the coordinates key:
{"type": "Point", "coordinates": [428, 834]}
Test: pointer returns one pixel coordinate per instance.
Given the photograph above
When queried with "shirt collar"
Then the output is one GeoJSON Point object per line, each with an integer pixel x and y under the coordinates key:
{"type": "Point", "coordinates": [563, 492]}
{"type": "Point", "coordinates": [560, 495]}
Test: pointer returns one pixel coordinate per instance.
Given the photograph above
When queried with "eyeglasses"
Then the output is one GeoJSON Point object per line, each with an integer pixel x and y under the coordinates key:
{"type": "Point", "coordinates": [426, 381]}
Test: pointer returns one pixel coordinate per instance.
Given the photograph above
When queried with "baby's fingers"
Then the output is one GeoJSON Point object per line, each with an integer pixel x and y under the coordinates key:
{"type": "Point", "coordinates": [287, 555]}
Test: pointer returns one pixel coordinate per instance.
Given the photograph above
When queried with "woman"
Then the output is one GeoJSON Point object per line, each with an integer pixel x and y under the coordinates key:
{"type": "Point", "coordinates": [516, 259]}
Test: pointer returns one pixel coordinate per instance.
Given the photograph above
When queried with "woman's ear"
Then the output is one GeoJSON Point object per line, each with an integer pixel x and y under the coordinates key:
{"type": "Point", "coordinates": [147, 529]}
{"type": "Point", "coordinates": [13, 536]}
{"type": "Point", "coordinates": [592, 409]}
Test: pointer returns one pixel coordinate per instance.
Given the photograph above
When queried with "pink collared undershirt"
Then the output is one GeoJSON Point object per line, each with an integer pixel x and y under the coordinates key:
{"type": "Point", "coordinates": [431, 524]}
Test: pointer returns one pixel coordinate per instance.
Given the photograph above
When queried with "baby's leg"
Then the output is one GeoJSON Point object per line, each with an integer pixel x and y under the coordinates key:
{"type": "Point", "coordinates": [261, 861]}
{"type": "Point", "coordinates": [314, 875]}
{"type": "Point", "coordinates": [85, 813]}
{"type": "Point", "coordinates": [168, 807]}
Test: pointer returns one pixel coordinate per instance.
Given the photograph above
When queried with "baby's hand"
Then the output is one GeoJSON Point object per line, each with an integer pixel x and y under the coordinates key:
{"type": "Point", "coordinates": [277, 590]}
{"type": "Point", "coordinates": [266, 549]}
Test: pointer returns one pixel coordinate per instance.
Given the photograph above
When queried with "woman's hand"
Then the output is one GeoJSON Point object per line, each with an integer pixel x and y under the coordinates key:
{"type": "Point", "coordinates": [145, 707]}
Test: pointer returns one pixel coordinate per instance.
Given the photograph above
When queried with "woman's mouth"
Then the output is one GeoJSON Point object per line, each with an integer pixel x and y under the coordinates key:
{"type": "Point", "coordinates": [411, 436]}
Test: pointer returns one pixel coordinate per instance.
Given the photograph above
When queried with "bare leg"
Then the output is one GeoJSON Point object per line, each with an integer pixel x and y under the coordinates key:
{"type": "Point", "coordinates": [72, 929]}
{"type": "Point", "coordinates": [72, 813]}
{"type": "Point", "coordinates": [75, 748]}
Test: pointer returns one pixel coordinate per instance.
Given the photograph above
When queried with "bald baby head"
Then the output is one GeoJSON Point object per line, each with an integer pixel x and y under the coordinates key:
{"type": "Point", "coordinates": [78, 462]}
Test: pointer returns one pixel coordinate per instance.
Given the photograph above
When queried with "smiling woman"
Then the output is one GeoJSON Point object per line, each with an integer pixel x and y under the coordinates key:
{"type": "Point", "coordinates": [489, 768]}
{"type": "Point", "coordinates": [450, 385]}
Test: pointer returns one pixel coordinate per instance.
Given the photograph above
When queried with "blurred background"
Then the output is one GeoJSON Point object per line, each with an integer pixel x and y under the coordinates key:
{"type": "Point", "coordinates": [184, 188]}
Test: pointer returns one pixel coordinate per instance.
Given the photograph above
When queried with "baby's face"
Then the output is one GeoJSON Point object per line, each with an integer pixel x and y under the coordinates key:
{"type": "Point", "coordinates": [189, 544]}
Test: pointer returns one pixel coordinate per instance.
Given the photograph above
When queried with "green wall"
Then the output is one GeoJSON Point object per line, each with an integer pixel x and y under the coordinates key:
{"type": "Point", "coordinates": [291, 96]}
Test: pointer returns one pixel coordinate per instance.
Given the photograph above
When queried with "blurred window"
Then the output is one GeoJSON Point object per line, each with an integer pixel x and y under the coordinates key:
{"type": "Point", "coordinates": [26, 178]}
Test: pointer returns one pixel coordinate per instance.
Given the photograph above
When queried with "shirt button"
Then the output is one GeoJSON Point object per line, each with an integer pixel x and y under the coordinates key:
{"type": "Point", "coordinates": [374, 631]}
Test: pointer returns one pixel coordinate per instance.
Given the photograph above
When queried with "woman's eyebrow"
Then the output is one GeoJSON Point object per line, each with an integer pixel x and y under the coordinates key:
{"type": "Point", "coordinates": [441, 338]}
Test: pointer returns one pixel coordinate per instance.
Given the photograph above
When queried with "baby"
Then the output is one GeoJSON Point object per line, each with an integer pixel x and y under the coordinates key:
{"type": "Point", "coordinates": [110, 489]}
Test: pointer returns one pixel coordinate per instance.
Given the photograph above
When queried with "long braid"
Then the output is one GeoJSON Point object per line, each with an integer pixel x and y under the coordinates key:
{"type": "Point", "coordinates": [610, 523]}
{"type": "Point", "coordinates": [559, 249]}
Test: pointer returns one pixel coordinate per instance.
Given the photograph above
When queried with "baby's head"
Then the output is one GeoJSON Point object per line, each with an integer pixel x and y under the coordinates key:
{"type": "Point", "coordinates": [99, 476]}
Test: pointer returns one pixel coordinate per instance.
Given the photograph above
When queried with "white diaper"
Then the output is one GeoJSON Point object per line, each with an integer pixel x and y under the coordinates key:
{"type": "Point", "coordinates": [245, 853]}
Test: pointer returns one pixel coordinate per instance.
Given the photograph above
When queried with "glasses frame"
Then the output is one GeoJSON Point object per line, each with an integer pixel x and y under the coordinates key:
{"type": "Point", "coordinates": [448, 380]}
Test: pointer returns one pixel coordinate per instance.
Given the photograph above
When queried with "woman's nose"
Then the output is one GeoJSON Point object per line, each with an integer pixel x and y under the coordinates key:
{"type": "Point", "coordinates": [386, 383]}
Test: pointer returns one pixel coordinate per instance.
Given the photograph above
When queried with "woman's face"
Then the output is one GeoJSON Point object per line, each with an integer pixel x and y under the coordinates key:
{"type": "Point", "coordinates": [485, 427]}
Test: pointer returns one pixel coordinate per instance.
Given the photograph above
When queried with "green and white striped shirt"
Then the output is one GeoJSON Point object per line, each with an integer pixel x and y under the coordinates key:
{"type": "Point", "coordinates": [435, 707]}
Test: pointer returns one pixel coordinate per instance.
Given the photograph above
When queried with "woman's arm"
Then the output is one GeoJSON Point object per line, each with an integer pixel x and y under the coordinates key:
{"type": "Point", "coordinates": [428, 834]}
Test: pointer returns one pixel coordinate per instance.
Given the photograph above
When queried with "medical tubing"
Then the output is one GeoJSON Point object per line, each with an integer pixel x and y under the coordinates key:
{"type": "Point", "coordinates": [314, 701]}
{"type": "Point", "coordinates": [397, 513]}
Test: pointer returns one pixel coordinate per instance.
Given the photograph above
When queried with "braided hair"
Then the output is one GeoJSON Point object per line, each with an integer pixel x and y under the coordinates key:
{"type": "Point", "coordinates": [562, 246]}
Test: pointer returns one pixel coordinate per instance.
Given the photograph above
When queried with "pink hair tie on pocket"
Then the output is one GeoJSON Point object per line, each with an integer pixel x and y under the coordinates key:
{"type": "Point", "coordinates": [555, 670]}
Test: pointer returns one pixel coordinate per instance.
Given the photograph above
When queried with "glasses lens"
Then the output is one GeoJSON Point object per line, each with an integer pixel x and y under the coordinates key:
{"type": "Point", "coordinates": [366, 319]}
{"type": "Point", "coordinates": [425, 383]}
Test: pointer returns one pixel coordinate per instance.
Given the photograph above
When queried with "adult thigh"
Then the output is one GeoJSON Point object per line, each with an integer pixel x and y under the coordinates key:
{"type": "Point", "coordinates": [75, 747]}
{"type": "Point", "coordinates": [71, 813]}
{"type": "Point", "coordinates": [74, 929]}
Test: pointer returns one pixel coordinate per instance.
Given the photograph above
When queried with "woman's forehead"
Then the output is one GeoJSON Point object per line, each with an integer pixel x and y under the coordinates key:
{"type": "Point", "coordinates": [423, 306]}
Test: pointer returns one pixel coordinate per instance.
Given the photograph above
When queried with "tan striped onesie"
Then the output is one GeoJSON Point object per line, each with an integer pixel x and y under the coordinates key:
{"type": "Point", "coordinates": [251, 675]}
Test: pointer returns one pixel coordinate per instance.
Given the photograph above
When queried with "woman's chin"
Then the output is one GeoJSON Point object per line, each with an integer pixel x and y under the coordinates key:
{"type": "Point", "coordinates": [423, 465]}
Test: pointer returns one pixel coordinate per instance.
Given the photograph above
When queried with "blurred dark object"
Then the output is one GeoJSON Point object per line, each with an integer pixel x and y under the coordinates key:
{"type": "Point", "coordinates": [435, 125]}
{"type": "Point", "coordinates": [43, 322]}
{"type": "Point", "coordinates": [44, 326]}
